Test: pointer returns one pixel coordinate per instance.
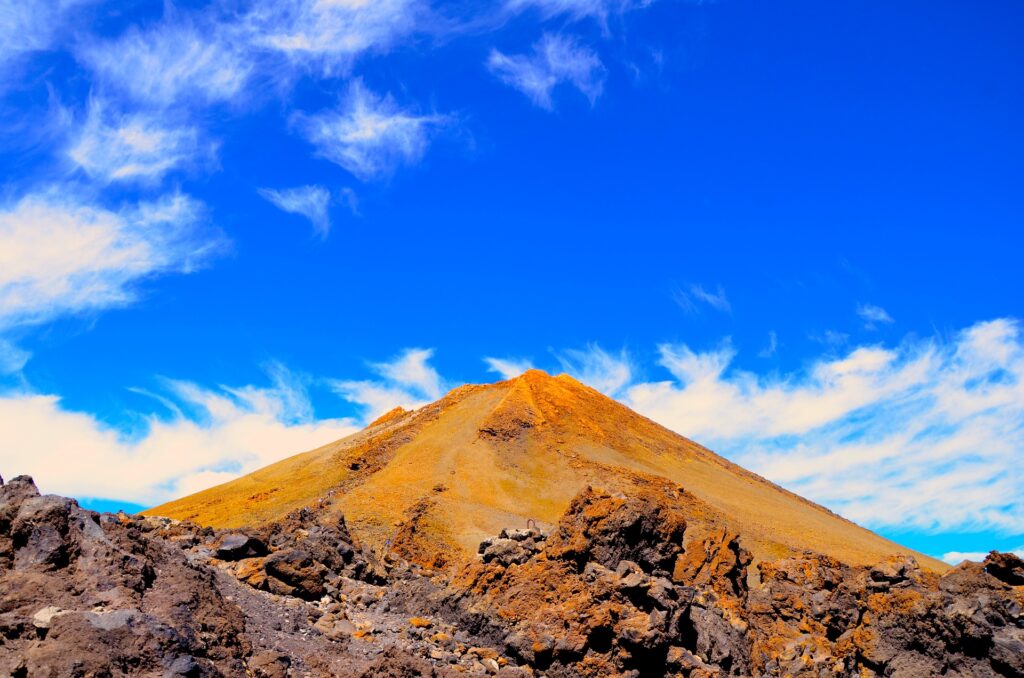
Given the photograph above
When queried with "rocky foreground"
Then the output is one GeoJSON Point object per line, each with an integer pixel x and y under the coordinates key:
{"type": "Point", "coordinates": [621, 586]}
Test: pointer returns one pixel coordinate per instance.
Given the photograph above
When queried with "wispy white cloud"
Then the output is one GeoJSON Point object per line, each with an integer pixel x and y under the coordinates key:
{"type": "Point", "coordinates": [578, 9]}
{"type": "Point", "coordinates": [411, 369]}
{"type": "Point", "coordinates": [34, 26]}
{"type": "Point", "coordinates": [234, 431]}
{"type": "Point", "coordinates": [59, 255]}
{"type": "Point", "coordinates": [113, 146]}
{"type": "Point", "coordinates": [330, 34]}
{"type": "Point", "coordinates": [368, 134]}
{"type": "Point", "coordinates": [957, 557]}
{"type": "Point", "coordinates": [691, 299]}
{"type": "Point", "coordinates": [172, 63]}
{"type": "Point", "coordinates": [212, 55]}
{"type": "Point", "coordinates": [408, 381]}
{"type": "Point", "coordinates": [873, 316]}
{"type": "Point", "coordinates": [508, 368]}
{"type": "Point", "coordinates": [556, 59]}
{"type": "Point", "coordinates": [926, 435]}
{"type": "Point", "coordinates": [350, 199]}
{"type": "Point", "coordinates": [12, 358]}
{"type": "Point", "coordinates": [599, 369]}
{"type": "Point", "coordinates": [773, 345]}
{"type": "Point", "coordinates": [832, 338]}
{"type": "Point", "coordinates": [312, 202]}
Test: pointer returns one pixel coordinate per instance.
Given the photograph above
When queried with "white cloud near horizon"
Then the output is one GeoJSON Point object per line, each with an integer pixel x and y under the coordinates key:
{"type": "Point", "coordinates": [957, 557]}
{"type": "Point", "coordinates": [508, 368]}
{"type": "Point", "coordinates": [556, 59]}
{"type": "Point", "coordinates": [407, 381]}
{"type": "Point", "coordinates": [111, 146]}
{"type": "Point", "coordinates": [311, 202]}
{"type": "Point", "coordinates": [607, 372]}
{"type": "Point", "coordinates": [60, 255]}
{"type": "Point", "coordinates": [926, 435]}
{"type": "Point", "coordinates": [368, 134]}
{"type": "Point", "coordinates": [237, 430]}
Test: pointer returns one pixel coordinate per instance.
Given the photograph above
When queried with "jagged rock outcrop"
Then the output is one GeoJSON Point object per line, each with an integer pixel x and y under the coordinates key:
{"type": "Point", "coordinates": [621, 586]}
{"type": "Point", "coordinates": [599, 596]}
{"type": "Point", "coordinates": [89, 594]}
{"type": "Point", "coordinates": [512, 546]}
{"type": "Point", "coordinates": [85, 594]}
{"type": "Point", "coordinates": [310, 554]}
{"type": "Point", "coordinates": [614, 591]}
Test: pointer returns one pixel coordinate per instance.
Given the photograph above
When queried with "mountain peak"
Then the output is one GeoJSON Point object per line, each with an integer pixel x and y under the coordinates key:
{"type": "Point", "coordinates": [540, 378]}
{"type": "Point", "coordinates": [430, 484]}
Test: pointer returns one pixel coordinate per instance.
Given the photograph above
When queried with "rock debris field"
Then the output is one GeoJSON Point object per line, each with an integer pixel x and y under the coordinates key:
{"type": "Point", "coordinates": [621, 586]}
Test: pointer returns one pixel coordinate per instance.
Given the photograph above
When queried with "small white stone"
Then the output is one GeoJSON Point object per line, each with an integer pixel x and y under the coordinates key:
{"type": "Point", "coordinates": [42, 618]}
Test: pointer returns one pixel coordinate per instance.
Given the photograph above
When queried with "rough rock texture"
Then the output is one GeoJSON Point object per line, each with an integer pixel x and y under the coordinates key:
{"type": "Point", "coordinates": [85, 594]}
{"type": "Point", "coordinates": [613, 591]}
{"type": "Point", "coordinates": [621, 586]}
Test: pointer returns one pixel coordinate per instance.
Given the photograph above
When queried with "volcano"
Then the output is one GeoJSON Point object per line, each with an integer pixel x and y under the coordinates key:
{"type": "Point", "coordinates": [531, 527]}
{"type": "Point", "coordinates": [430, 484]}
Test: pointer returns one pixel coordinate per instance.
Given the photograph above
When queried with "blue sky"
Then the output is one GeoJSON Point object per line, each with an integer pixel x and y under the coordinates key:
{"type": "Point", "coordinates": [792, 231]}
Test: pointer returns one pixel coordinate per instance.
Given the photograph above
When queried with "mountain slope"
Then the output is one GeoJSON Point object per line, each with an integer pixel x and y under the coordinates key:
{"type": "Point", "coordinates": [430, 484]}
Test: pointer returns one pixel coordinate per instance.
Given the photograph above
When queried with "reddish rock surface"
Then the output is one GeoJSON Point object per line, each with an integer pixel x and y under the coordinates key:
{"type": "Point", "coordinates": [621, 586]}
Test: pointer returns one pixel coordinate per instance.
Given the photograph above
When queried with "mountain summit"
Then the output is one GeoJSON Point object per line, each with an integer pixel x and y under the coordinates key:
{"type": "Point", "coordinates": [531, 527]}
{"type": "Point", "coordinates": [430, 484]}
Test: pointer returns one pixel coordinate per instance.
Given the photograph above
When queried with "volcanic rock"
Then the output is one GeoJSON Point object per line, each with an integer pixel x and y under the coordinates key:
{"type": "Point", "coordinates": [527, 528]}
{"type": "Point", "coordinates": [1006, 567]}
{"type": "Point", "coordinates": [236, 546]}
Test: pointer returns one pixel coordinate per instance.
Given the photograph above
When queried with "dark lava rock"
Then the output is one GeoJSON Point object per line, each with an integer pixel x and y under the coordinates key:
{"type": "Point", "coordinates": [294, 572]}
{"type": "Point", "coordinates": [621, 587]}
{"type": "Point", "coordinates": [325, 537]}
{"type": "Point", "coordinates": [1006, 567]}
{"type": "Point", "coordinates": [597, 600]}
{"type": "Point", "coordinates": [237, 546]}
{"type": "Point", "coordinates": [603, 528]}
{"type": "Point", "coordinates": [80, 596]}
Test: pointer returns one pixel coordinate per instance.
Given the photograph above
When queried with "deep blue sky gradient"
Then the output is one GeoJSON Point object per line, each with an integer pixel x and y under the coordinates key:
{"type": "Point", "coordinates": [806, 156]}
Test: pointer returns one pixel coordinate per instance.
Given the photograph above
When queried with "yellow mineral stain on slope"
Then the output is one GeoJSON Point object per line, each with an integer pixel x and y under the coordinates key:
{"type": "Point", "coordinates": [432, 483]}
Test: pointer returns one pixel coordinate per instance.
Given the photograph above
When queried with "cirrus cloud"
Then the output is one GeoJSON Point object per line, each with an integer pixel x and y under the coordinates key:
{"type": "Point", "coordinates": [508, 368]}
{"type": "Point", "coordinates": [369, 134]}
{"type": "Point", "coordinates": [924, 435]}
{"type": "Point", "coordinates": [556, 59]}
{"type": "Point", "coordinates": [59, 255]}
{"type": "Point", "coordinates": [311, 202]}
{"type": "Point", "coordinates": [873, 316]}
{"type": "Point", "coordinates": [172, 63]}
{"type": "Point", "coordinates": [229, 432]}
{"type": "Point", "coordinates": [407, 381]}
{"type": "Point", "coordinates": [112, 146]}
{"type": "Point", "coordinates": [330, 35]}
